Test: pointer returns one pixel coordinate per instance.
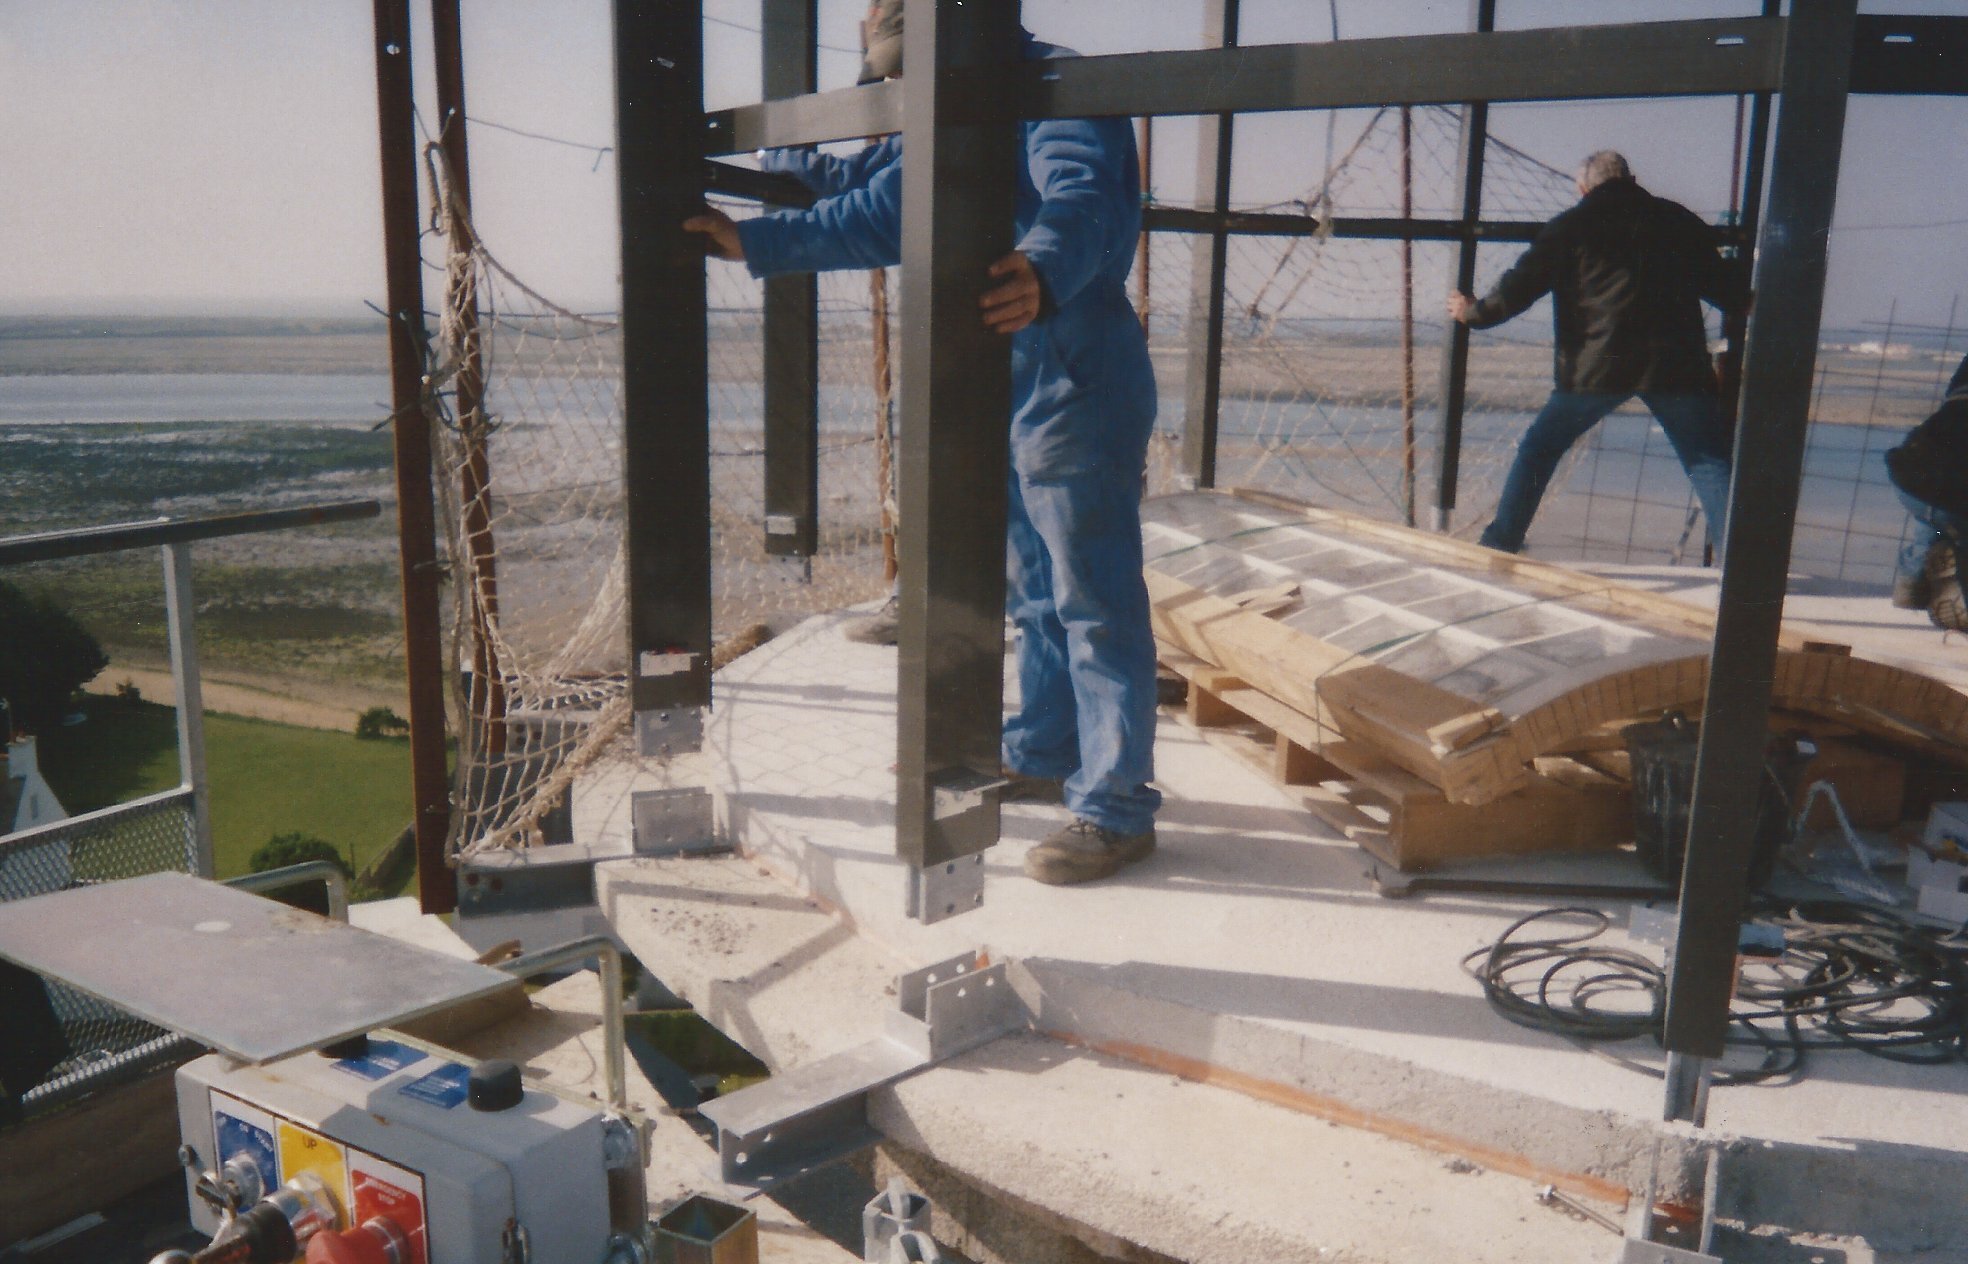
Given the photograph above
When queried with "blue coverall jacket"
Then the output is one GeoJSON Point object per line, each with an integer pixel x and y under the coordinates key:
{"type": "Point", "coordinates": [1083, 407]}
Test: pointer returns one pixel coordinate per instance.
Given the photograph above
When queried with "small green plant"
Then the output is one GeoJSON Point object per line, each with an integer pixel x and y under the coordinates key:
{"type": "Point", "coordinates": [127, 692]}
{"type": "Point", "coordinates": [294, 848]}
{"type": "Point", "coordinates": [380, 722]}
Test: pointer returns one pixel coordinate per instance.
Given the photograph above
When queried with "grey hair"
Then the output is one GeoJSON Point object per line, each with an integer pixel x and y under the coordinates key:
{"type": "Point", "coordinates": [1607, 164]}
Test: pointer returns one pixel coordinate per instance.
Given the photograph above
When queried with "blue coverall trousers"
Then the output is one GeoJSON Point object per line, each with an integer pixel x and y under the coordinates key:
{"type": "Point", "coordinates": [1086, 654]}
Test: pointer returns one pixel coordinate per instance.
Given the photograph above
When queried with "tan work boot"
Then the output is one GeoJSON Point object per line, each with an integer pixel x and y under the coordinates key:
{"type": "Point", "coordinates": [1083, 851]}
{"type": "Point", "coordinates": [883, 627]}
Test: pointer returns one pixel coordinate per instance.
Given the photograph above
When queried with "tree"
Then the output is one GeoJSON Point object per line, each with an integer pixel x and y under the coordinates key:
{"type": "Point", "coordinates": [294, 848]}
{"type": "Point", "coordinates": [47, 656]}
{"type": "Point", "coordinates": [379, 722]}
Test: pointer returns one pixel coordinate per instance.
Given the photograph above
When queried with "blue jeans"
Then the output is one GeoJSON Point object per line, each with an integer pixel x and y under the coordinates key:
{"type": "Point", "coordinates": [1694, 427]}
{"type": "Point", "coordinates": [1086, 654]}
{"type": "Point", "coordinates": [1930, 527]}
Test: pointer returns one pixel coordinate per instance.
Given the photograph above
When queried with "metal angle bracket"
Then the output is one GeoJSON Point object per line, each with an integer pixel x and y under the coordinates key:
{"type": "Point", "coordinates": [673, 731]}
{"type": "Point", "coordinates": [943, 891]}
{"type": "Point", "coordinates": [816, 1114]}
{"type": "Point", "coordinates": [680, 821]}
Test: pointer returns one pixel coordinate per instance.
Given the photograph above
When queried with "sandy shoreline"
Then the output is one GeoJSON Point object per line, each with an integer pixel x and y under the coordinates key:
{"type": "Point", "coordinates": [282, 700]}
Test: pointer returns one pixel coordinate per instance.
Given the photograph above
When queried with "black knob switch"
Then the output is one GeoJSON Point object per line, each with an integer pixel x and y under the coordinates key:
{"type": "Point", "coordinates": [494, 1085]}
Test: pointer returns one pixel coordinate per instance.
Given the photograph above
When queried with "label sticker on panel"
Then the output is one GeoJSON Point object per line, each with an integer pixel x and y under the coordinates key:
{"type": "Point", "coordinates": [382, 1189]}
{"type": "Point", "coordinates": [383, 1058]}
{"type": "Point", "coordinates": [239, 1130]}
{"type": "Point", "coordinates": [305, 1151]}
{"type": "Point", "coordinates": [443, 1087]}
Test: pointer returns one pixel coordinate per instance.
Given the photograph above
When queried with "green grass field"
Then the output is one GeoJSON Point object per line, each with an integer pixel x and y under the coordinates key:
{"type": "Point", "coordinates": [265, 778]}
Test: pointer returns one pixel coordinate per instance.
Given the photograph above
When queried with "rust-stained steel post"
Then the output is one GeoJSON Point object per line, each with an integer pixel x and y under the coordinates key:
{"type": "Point", "coordinates": [423, 649]}
{"type": "Point", "coordinates": [1407, 322]}
{"type": "Point", "coordinates": [1204, 394]}
{"type": "Point", "coordinates": [1455, 348]}
{"type": "Point", "coordinates": [486, 705]}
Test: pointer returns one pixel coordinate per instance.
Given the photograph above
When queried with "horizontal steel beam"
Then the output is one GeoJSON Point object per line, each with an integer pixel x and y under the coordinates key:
{"type": "Point", "coordinates": [770, 187]}
{"type": "Point", "coordinates": [1183, 219]}
{"type": "Point", "coordinates": [1642, 59]}
{"type": "Point", "coordinates": [85, 541]}
{"type": "Point", "coordinates": [1907, 56]}
{"type": "Point", "coordinates": [1910, 56]}
{"type": "Point", "coordinates": [843, 114]}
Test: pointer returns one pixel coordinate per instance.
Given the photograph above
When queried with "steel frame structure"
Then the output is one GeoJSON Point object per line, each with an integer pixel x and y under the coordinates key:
{"type": "Point", "coordinates": [966, 87]}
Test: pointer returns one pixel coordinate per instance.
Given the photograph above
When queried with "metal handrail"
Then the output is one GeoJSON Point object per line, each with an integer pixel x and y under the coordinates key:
{"type": "Point", "coordinates": [37, 835]}
{"type": "Point", "coordinates": [48, 546]}
{"type": "Point", "coordinates": [599, 949]}
{"type": "Point", "coordinates": [327, 872]}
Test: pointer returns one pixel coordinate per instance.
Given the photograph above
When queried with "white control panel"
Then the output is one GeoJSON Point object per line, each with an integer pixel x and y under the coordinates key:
{"type": "Point", "coordinates": [392, 1133]}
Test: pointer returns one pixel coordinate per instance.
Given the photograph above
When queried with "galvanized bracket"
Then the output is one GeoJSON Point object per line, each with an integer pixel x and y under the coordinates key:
{"type": "Point", "coordinates": [1639, 1246]}
{"type": "Point", "coordinates": [945, 890]}
{"type": "Point", "coordinates": [680, 821]}
{"type": "Point", "coordinates": [816, 1114]}
{"type": "Point", "coordinates": [673, 731]}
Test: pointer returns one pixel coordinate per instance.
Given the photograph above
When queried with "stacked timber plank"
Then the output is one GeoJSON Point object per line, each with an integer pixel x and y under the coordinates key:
{"type": "Point", "coordinates": [1409, 677]}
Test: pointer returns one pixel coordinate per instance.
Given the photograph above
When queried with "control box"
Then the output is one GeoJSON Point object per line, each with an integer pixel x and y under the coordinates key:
{"type": "Point", "coordinates": [391, 1132]}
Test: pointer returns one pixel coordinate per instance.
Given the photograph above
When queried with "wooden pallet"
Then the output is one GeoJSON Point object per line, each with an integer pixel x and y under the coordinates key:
{"type": "Point", "coordinates": [1393, 814]}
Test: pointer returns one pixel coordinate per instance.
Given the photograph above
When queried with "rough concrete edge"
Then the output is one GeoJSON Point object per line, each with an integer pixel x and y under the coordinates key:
{"type": "Point", "coordinates": [1859, 1190]}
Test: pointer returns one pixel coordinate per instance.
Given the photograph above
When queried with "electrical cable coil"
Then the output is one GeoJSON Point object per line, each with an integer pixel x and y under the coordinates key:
{"type": "Point", "coordinates": [1849, 977]}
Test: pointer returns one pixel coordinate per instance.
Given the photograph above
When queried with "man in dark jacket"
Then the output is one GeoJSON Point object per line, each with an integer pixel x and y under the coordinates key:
{"type": "Point", "coordinates": [1929, 470]}
{"type": "Point", "coordinates": [1627, 273]}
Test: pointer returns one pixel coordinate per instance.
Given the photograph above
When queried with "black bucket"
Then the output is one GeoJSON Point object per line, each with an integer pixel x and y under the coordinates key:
{"type": "Point", "coordinates": [1663, 756]}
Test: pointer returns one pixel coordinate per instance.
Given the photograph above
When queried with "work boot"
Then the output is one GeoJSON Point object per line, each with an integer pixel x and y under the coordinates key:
{"type": "Point", "coordinates": [1083, 851]}
{"type": "Point", "coordinates": [1023, 788]}
{"type": "Point", "coordinates": [883, 627]}
{"type": "Point", "coordinates": [1912, 592]}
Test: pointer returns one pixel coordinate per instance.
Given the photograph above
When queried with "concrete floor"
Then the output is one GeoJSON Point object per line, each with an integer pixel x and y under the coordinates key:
{"type": "Point", "coordinates": [1252, 951]}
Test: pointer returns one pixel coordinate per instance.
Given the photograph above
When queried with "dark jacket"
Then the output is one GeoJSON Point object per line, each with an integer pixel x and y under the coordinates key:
{"type": "Point", "coordinates": [1931, 464]}
{"type": "Point", "coordinates": [1627, 272]}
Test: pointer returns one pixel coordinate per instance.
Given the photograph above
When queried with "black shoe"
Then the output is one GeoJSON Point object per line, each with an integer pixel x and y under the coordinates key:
{"type": "Point", "coordinates": [1083, 851]}
{"type": "Point", "coordinates": [1022, 788]}
{"type": "Point", "coordinates": [883, 627]}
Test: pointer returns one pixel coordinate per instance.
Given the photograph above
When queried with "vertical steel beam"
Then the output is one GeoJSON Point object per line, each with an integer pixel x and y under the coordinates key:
{"type": "Point", "coordinates": [1455, 350]}
{"type": "Point", "coordinates": [416, 519]}
{"type": "Point", "coordinates": [792, 346]}
{"type": "Point", "coordinates": [1777, 371]}
{"type": "Point", "coordinates": [179, 621]}
{"type": "Point", "coordinates": [958, 202]}
{"type": "Point", "coordinates": [1204, 378]}
{"type": "Point", "coordinates": [486, 721]}
{"type": "Point", "coordinates": [666, 454]}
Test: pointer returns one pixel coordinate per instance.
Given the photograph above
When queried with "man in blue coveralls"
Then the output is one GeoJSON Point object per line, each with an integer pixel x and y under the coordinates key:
{"type": "Point", "coordinates": [1083, 406]}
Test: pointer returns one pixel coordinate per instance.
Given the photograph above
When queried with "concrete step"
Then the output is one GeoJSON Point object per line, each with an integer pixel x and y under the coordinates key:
{"type": "Point", "coordinates": [402, 918]}
{"type": "Point", "coordinates": [1133, 1162]}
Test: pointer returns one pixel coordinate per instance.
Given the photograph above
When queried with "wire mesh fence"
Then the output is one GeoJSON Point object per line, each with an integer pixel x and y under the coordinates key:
{"type": "Point", "coordinates": [98, 1043]}
{"type": "Point", "coordinates": [1331, 393]}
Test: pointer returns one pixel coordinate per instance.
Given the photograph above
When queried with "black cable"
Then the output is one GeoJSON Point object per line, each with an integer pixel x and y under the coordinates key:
{"type": "Point", "coordinates": [1850, 977]}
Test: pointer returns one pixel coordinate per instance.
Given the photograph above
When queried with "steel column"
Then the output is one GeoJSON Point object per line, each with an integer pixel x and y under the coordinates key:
{"type": "Point", "coordinates": [179, 620]}
{"type": "Point", "coordinates": [423, 647]}
{"type": "Point", "coordinates": [659, 148]}
{"type": "Point", "coordinates": [792, 329]}
{"type": "Point", "coordinates": [1471, 146]}
{"type": "Point", "coordinates": [1204, 378]}
{"type": "Point", "coordinates": [486, 703]}
{"type": "Point", "coordinates": [958, 191]}
{"type": "Point", "coordinates": [1777, 372]}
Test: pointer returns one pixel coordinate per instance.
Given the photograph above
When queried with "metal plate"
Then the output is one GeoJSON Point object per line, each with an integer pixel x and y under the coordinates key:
{"type": "Point", "coordinates": [673, 822]}
{"type": "Point", "coordinates": [673, 732]}
{"type": "Point", "coordinates": [947, 890]}
{"type": "Point", "coordinates": [250, 978]}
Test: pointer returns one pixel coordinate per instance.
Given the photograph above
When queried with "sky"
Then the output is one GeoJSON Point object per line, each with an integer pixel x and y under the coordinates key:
{"type": "Point", "coordinates": [199, 156]}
